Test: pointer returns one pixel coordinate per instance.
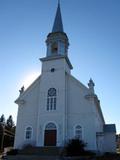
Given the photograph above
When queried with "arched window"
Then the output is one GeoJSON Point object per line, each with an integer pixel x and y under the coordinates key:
{"type": "Point", "coordinates": [51, 99]}
{"type": "Point", "coordinates": [78, 132]}
{"type": "Point", "coordinates": [28, 133]}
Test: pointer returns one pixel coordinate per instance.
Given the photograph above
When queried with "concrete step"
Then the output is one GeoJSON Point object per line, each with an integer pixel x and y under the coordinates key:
{"type": "Point", "coordinates": [42, 151]}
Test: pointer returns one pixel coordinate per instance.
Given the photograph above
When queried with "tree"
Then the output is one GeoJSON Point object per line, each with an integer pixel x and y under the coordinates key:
{"type": "Point", "coordinates": [7, 132]}
{"type": "Point", "coordinates": [10, 123]}
{"type": "Point", "coordinates": [2, 119]}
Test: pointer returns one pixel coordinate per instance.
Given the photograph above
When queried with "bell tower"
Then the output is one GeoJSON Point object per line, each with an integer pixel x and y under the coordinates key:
{"type": "Point", "coordinates": [57, 44]}
{"type": "Point", "coordinates": [57, 41]}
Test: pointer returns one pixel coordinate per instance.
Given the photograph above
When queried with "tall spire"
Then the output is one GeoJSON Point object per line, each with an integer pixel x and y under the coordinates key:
{"type": "Point", "coordinates": [57, 41]}
{"type": "Point", "coordinates": [58, 25]}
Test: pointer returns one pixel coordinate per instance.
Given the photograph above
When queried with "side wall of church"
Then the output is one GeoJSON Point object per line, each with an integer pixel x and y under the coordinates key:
{"type": "Point", "coordinates": [99, 116]}
{"type": "Point", "coordinates": [27, 116]}
{"type": "Point", "coordinates": [99, 122]}
{"type": "Point", "coordinates": [81, 112]}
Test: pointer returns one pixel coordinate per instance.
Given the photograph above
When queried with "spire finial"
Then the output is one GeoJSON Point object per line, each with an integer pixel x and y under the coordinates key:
{"type": "Point", "coordinates": [91, 85]}
{"type": "Point", "coordinates": [58, 25]}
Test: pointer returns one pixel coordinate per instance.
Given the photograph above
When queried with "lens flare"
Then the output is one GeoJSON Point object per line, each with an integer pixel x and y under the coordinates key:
{"type": "Point", "coordinates": [30, 78]}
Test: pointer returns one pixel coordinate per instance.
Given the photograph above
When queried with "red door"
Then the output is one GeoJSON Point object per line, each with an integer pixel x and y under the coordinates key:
{"type": "Point", "coordinates": [50, 138]}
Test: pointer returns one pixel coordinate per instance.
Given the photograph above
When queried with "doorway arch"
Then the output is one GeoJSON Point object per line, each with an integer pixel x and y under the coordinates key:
{"type": "Point", "coordinates": [50, 134]}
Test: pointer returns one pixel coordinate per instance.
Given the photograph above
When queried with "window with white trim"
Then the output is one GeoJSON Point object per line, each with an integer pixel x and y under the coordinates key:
{"type": "Point", "coordinates": [28, 133]}
{"type": "Point", "coordinates": [78, 132]}
{"type": "Point", "coordinates": [51, 99]}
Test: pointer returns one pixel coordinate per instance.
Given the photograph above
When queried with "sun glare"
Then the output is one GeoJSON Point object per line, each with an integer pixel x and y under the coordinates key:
{"type": "Point", "coordinates": [30, 78]}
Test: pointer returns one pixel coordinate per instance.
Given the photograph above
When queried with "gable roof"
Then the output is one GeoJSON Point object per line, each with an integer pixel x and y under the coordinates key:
{"type": "Point", "coordinates": [28, 89]}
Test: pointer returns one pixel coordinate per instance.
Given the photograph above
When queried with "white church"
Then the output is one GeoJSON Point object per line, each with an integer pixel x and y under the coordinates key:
{"type": "Point", "coordinates": [57, 107]}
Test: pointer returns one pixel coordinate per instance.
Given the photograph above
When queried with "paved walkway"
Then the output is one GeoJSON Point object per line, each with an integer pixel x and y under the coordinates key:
{"type": "Point", "coordinates": [24, 157]}
{"type": "Point", "coordinates": [35, 157]}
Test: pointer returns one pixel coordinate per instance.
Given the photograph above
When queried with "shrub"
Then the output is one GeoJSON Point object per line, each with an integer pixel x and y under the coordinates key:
{"type": "Point", "coordinates": [27, 146]}
{"type": "Point", "coordinates": [12, 152]}
{"type": "Point", "coordinates": [75, 147]}
{"type": "Point", "coordinates": [89, 153]}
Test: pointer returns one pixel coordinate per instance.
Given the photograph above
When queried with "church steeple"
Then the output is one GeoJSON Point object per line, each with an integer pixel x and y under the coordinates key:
{"type": "Point", "coordinates": [58, 25]}
{"type": "Point", "coordinates": [57, 41]}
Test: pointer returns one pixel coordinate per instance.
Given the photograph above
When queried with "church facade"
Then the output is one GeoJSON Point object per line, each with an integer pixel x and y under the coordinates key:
{"type": "Point", "coordinates": [58, 107]}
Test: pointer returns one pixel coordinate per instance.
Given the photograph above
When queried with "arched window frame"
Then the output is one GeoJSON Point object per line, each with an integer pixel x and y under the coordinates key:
{"type": "Point", "coordinates": [51, 99]}
{"type": "Point", "coordinates": [78, 132]}
{"type": "Point", "coordinates": [50, 126]}
{"type": "Point", "coordinates": [28, 133]}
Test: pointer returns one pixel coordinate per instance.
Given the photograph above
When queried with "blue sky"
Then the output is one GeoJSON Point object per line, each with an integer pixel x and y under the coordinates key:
{"type": "Point", "coordinates": [93, 28]}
